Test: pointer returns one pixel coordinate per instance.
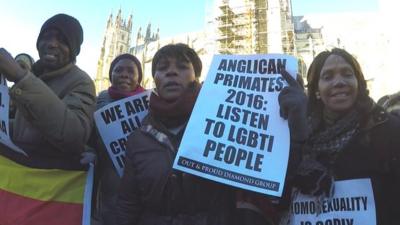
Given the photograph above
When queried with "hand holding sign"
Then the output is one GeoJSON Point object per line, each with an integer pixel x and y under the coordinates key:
{"type": "Point", "coordinates": [293, 107]}
{"type": "Point", "coordinates": [237, 137]}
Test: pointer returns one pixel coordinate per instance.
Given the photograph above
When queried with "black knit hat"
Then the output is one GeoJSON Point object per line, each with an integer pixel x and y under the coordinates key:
{"type": "Point", "coordinates": [179, 51]}
{"type": "Point", "coordinates": [69, 27]}
{"type": "Point", "coordinates": [130, 57]}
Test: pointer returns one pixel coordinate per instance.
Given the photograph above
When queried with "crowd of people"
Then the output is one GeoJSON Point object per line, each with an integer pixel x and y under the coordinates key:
{"type": "Point", "coordinates": [337, 132]}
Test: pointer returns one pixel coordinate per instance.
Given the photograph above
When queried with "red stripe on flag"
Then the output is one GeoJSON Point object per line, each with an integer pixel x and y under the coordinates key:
{"type": "Point", "coordinates": [19, 210]}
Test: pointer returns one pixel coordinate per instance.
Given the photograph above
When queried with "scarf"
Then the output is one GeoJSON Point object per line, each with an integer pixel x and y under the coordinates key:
{"type": "Point", "coordinates": [314, 175]}
{"type": "Point", "coordinates": [116, 94]}
{"type": "Point", "coordinates": [335, 136]}
{"type": "Point", "coordinates": [174, 114]}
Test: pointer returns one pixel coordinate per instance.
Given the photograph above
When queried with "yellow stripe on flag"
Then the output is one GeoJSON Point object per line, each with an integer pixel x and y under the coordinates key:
{"type": "Point", "coordinates": [42, 184]}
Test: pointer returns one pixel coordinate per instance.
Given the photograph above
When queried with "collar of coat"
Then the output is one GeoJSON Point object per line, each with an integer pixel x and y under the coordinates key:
{"type": "Point", "coordinates": [159, 132]}
{"type": "Point", "coordinates": [38, 71]}
{"type": "Point", "coordinates": [376, 117]}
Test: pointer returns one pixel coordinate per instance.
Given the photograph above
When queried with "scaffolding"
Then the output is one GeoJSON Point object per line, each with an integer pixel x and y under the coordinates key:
{"type": "Point", "coordinates": [260, 9]}
{"type": "Point", "coordinates": [242, 26]}
{"type": "Point", "coordinates": [235, 28]}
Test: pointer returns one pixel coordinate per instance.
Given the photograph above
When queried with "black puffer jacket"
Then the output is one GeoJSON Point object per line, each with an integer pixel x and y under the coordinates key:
{"type": "Point", "coordinates": [152, 193]}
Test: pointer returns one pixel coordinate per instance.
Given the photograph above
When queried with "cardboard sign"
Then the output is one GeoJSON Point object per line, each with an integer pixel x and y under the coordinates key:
{"type": "Point", "coordinates": [4, 117]}
{"type": "Point", "coordinates": [235, 134]}
{"type": "Point", "coordinates": [352, 204]}
{"type": "Point", "coordinates": [117, 120]}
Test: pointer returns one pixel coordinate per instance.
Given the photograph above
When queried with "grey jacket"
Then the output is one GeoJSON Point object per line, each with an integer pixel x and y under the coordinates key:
{"type": "Point", "coordinates": [54, 116]}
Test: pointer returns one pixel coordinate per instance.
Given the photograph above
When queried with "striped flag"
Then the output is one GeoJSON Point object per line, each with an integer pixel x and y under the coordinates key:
{"type": "Point", "coordinates": [30, 196]}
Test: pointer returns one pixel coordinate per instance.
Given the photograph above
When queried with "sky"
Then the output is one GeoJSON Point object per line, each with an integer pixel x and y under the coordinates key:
{"type": "Point", "coordinates": [20, 20]}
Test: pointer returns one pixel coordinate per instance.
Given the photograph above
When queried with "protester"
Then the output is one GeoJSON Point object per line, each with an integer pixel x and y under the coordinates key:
{"type": "Point", "coordinates": [125, 75]}
{"type": "Point", "coordinates": [391, 103]}
{"type": "Point", "coordinates": [351, 137]}
{"type": "Point", "coordinates": [257, 209]}
{"type": "Point", "coordinates": [25, 61]}
{"type": "Point", "coordinates": [54, 117]}
{"type": "Point", "coordinates": [55, 102]}
{"type": "Point", "coordinates": [151, 191]}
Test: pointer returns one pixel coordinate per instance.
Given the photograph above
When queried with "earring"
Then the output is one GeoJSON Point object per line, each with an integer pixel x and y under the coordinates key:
{"type": "Point", "coordinates": [317, 95]}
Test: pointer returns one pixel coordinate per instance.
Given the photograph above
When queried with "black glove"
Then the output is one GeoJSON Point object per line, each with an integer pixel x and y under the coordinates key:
{"type": "Point", "coordinates": [293, 107]}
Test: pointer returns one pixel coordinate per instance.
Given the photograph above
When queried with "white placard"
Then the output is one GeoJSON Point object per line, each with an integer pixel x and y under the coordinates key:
{"type": "Point", "coordinates": [235, 134]}
{"type": "Point", "coordinates": [4, 117]}
{"type": "Point", "coordinates": [117, 120]}
{"type": "Point", "coordinates": [352, 204]}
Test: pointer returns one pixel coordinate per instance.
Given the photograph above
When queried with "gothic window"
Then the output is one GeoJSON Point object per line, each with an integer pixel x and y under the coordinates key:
{"type": "Point", "coordinates": [122, 37]}
{"type": "Point", "coordinates": [121, 48]}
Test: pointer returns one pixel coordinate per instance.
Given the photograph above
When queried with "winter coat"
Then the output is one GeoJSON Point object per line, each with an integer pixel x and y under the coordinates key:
{"type": "Point", "coordinates": [153, 193]}
{"type": "Point", "coordinates": [375, 153]}
{"type": "Point", "coordinates": [54, 117]}
{"type": "Point", "coordinates": [106, 175]}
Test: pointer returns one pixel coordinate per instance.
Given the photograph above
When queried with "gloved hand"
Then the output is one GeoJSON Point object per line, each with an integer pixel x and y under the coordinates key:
{"type": "Point", "coordinates": [312, 178]}
{"type": "Point", "coordinates": [293, 107]}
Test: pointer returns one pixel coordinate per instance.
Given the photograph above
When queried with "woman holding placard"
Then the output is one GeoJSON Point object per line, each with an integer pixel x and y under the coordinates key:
{"type": "Point", "coordinates": [350, 136]}
{"type": "Point", "coordinates": [152, 192]}
{"type": "Point", "coordinates": [125, 75]}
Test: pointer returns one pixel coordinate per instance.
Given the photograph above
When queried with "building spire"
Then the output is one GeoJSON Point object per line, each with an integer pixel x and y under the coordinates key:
{"type": "Point", "coordinates": [130, 23]}
{"type": "Point", "coordinates": [109, 22]}
{"type": "Point", "coordinates": [118, 20]}
{"type": "Point", "coordinates": [116, 41]}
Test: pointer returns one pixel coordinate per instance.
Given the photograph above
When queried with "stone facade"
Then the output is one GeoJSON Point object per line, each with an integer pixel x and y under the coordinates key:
{"type": "Point", "coordinates": [233, 27]}
{"type": "Point", "coordinates": [117, 40]}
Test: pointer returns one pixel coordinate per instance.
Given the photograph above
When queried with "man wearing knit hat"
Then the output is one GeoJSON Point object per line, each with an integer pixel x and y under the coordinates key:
{"type": "Point", "coordinates": [55, 102]}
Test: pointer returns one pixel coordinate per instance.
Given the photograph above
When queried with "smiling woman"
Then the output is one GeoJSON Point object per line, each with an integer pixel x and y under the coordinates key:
{"type": "Point", "coordinates": [337, 85]}
{"type": "Point", "coordinates": [351, 137]}
{"type": "Point", "coordinates": [125, 75]}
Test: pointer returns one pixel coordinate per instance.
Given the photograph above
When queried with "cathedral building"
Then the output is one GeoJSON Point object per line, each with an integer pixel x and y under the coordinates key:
{"type": "Point", "coordinates": [117, 40]}
{"type": "Point", "coordinates": [232, 27]}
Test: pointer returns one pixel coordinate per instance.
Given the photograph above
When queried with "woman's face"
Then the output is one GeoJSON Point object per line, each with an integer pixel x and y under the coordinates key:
{"type": "Point", "coordinates": [172, 77]}
{"type": "Point", "coordinates": [337, 86]}
{"type": "Point", "coordinates": [125, 75]}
